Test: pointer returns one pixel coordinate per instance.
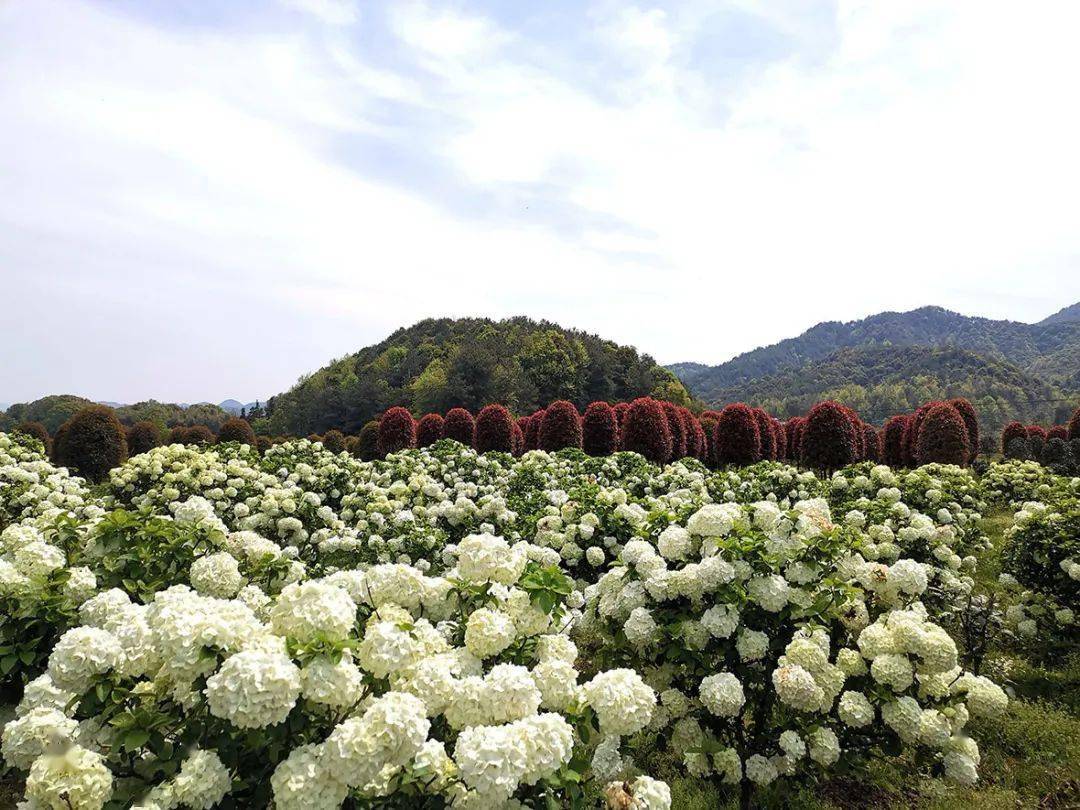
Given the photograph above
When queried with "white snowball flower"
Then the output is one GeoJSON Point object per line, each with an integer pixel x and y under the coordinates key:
{"type": "Point", "coordinates": [488, 632]}
{"type": "Point", "coordinates": [254, 689]}
{"type": "Point", "coordinates": [80, 655]}
{"type": "Point", "coordinates": [855, 710]}
{"type": "Point", "coordinates": [216, 575]}
{"type": "Point", "coordinates": [42, 730]}
{"type": "Point", "coordinates": [722, 694]}
{"type": "Point", "coordinates": [674, 543]}
{"type": "Point", "coordinates": [78, 779]}
{"type": "Point", "coordinates": [309, 609]}
{"type": "Point", "coordinates": [203, 781]}
{"type": "Point", "coordinates": [303, 782]}
{"type": "Point", "coordinates": [623, 702]}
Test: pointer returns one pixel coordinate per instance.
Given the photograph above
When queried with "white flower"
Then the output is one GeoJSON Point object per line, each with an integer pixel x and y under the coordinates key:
{"type": "Point", "coordinates": [80, 655]}
{"type": "Point", "coordinates": [216, 575]}
{"type": "Point", "coordinates": [309, 609]}
{"type": "Point", "coordinates": [338, 685]}
{"type": "Point", "coordinates": [41, 730]}
{"type": "Point", "coordinates": [893, 670]}
{"type": "Point", "coordinates": [674, 543]}
{"type": "Point", "coordinates": [75, 780]}
{"type": "Point", "coordinates": [722, 694]}
{"type": "Point", "coordinates": [303, 782]}
{"type": "Point", "coordinates": [484, 558]}
{"type": "Point", "coordinates": [640, 628]}
{"type": "Point", "coordinates": [389, 733]}
{"type": "Point", "coordinates": [203, 781]}
{"type": "Point", "coordinates": [796, 687]}
{"type": "Point", "coordinates": [855, 710]}
{"type": "Point", "coordinates": [824, 746]}
{"type": "Point", "coordinates": [760, 770]}
{"type": "Point", "coordinates": [622, 701]}
{"type": "Point", "coordinates": [386, 648]}
{"type": "Point", "coordinates": [254, 689]}
{"type": "Point", "coordinates": [985, 699]}
{"type": "Point", "coordinates": [752, 645]}
{"type": "Point", "coordinates": [792, 745]}
{"type": "Point", "coordinates": [557, 682]}
{"type": "Point", "coordinates": [714, 520]}
{"type": "Point", "coordinates": [720, 620]}
{"type": "Point", "coordinates": [644, 793]}
{"type": "Point", "coordinates": [488, 632]}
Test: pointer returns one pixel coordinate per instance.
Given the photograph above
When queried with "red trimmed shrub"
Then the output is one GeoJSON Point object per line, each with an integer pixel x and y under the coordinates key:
{"type": "Point", "coordinates": [560, 427]}
{"type": "Point", "coordinates": [779, 438]}
{"type": "Point", "coordinates": [599, 429]}
{"type": "Point", "coordinates": [313, 437]}
{"type": "Point", "coordinates": [828, 441]}
{"type": "Point", "coordinates": [367, 442]}
{"type": "Point", "coordinates": [911, 436]}
{"type": "Point", "coordinates": [1058, 432]}
{"type": "Point", "coordinates": [646, 430]}
{"type": "Point", "coordinates": [56, 454]}
{"type": "Point", "coordinates": [532, 431]}
{"type": "Point", "coordinates": [714, 415]}
{"type": "Point", "coordinates": [701, 451]}
{"type": "Point", "coordinates": [141, 437]}
{"type": "Point", "coordinates": [765, 433]}
{"type": "Point", "coordinates": [892, 442]}
{"type": "Point", "coordinates": [333, 441]}
{"type": "Point", "coordinates": [518, 437]}
{"type": "Point", "coordinates": [793, 435]}
{"type": "Point", "coordinates": [871, 443]}
{"type": "Point", "coordinates": [178, 434]}
{"type": "Point", "coordinates": [737, 438]}
{"type": "Point", "coordinates": [621, 410]}
{"type": "Point", "coordinates": [1036, 432]}
{"type": "Point", "coordinates": [94, 442]}
{"type": "Point", "coordinates": [200, 435]}
{"type": "Point", "coordinates": [236, 430]}
{"type": "Point", "coordinates": [1013, 430]}
{"type": "Point", "coordinates": [971, 422]}
{"type": "Point", "coordinates": [37, 431]}
{"type": "Point", "coordinates": [708, 430]}
{"type": "Point", "coordinates": [494, 429]}
{"type": "Point", "coordinates": [675, 428]}
{"type": "Point", "coordinates": [943, 436]}
{"type": "Point", "coordinates": [460, 426]}
{"type": "Point", "coordinates": [856, 424]}
{"type": "Point", "coordinates": [1074, 425]}
{"type": "Point", "coordinates": [397, 431]}
{"type": "Point", "coordinates": [429, 429]}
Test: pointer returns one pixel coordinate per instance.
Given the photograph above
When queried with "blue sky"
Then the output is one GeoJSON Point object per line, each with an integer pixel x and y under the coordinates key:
{"type": "Point", "coordinates": [206, 199]}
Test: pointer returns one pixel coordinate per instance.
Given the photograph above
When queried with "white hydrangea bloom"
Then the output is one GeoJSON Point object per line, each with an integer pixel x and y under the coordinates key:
{"type": "Point", "coordinates": [254, 689]}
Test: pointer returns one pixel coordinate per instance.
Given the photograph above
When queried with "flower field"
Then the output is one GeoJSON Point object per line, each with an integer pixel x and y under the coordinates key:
{"type": "Point", "coordinates": [443, 627]}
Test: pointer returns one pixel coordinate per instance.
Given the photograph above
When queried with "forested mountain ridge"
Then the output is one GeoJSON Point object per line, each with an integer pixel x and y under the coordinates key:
{"type": "Point", "coordinates": [52, 411]}
{"type": "Point", "coordinates": [1049, 350]}
{"type": "Point", "coordinates": [438, 364]}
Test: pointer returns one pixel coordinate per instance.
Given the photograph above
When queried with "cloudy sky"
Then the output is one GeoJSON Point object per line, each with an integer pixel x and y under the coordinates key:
{"type": "Point", "coordinates": [202, 199]}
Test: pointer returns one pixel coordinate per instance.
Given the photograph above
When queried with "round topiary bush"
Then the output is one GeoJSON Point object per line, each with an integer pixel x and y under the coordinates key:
{"type": "Point", "coordinates": [971, 422]}
{"type": "Point", "coordinates": [56, 453]}
{"type": "Point", "coordinates": [1018, 449]}
{"type": "Point", "coordinates": [142, 437]}
{"type": "Point", "coordinates": [236, 430]}
{"type": "Point", "coordinates": [561, 426]}
{"type": "Point", "coordinates": [871, 443]}
{"type": "Point", "coordinates": [737, 438]}
{"type": "Point", "coordinates": [460, 426]}
{"type": "Point", "coordinates": [264, 443]}
{"type": "Point", "coordinates": [334, 441]}
{"type": "Point", "coordinates": [532, 431]}
{"type": "Point", "coordinates": [645, 430]}
{"type": "Point", "coordinates": [1058, 432]}
{"type": "Point", "coordinates": [1074, 425]}
{"type": "Point", "coordinates": [35, 430]}
{"type": "Point", "coordinates": [828, 440]}
{"type": "Point", "coordinates": [621, 410]}
{"type": "Point", "coordinates": [429, 430]}
{"type": "Point", "coordinates": [518, 437]}
{"type": "Point", "coordinates": [1036, 432]}
{"type": "Point", "coordinates": [494, 429]}
{"type": "Point", "coordinates": [943, 437]}
{"type": "Point", "coordinates": [599, 430]}
{"type": "Point", "coordinates": [675, 428]}
{"type": "Point", "coordinates": [94, 442]}
{"type": "Point", "coordinates": [765, 433]}
{"type": "Point", "coordinates": [367, 442]}
{"type": "Point", "coordinates": [892, 448]}
{"type": "Point", "coordinates": [200, 435]}
{"type": "Point", "coordinates": [1056, 455]}
{"type": "Point", "coordinates": [397, 431]}
{"type": "Point", "coordinates": [313, 437]}
{"type": "Point", "coordinates": [1011, 432]}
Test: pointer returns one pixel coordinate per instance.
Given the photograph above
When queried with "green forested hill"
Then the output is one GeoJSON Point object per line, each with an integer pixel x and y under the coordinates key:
{"type": "Point", "coordinates": [441, 363]}
{"type": "Point", "coordinates": [879, 381]}
{"type": "Point", "coordinates": [1049, 350]}
{"type": "Point", "coordinates": [53, 411]}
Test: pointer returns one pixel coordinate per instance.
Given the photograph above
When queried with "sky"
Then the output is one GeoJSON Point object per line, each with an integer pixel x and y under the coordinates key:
{"type": "Point", "coordinates": [201, 200]}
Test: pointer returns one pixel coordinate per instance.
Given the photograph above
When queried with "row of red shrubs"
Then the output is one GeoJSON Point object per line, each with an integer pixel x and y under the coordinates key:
{"type": "Point", "coordinates": [1018, 430]}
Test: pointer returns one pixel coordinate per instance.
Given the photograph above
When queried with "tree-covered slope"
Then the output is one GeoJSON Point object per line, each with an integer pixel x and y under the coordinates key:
{"type": "Point", "coordinates": [53, 411]}
{"type": "Point", "coordinates": [1049, 350]}
{"type": "Point", "coordinates": [879, 381]}
{"type": "Point", "coordinates": [438, 364]}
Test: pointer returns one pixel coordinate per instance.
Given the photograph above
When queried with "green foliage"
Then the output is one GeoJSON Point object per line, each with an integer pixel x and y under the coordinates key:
{"type": "Point", "coordinates": [443, 363]}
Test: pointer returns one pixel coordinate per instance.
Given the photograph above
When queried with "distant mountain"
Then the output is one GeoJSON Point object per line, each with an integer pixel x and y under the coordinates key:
{"type": "Point", "coordinates": [1067, 315]}
{"type": "Point", "coordinates": [438, 364]}
{"type": "Point", "coordinates": [235, 406]}
{"type": "Point", "coordinates": [879, 381]}
{"type": "Point", "coordinates": [53, 411]}
{"type": "Point", "coordinates": [1048, 351]}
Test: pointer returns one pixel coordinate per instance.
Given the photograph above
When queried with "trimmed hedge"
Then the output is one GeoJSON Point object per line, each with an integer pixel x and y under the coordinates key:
{"type": "Point", "coordinates": [37, 431]}
{"type": "Point", "coordinates": [1011, 432]}
{"type": "Point", "coordinates": [94, 442]}
{"type": "Point", "coordinates": [142, 437]}
{"type": "Point", "coordinates": [599, 429]}
{"type": "Point", "coordinates": [829, 438]}
{"type": "Point", "coordinates": [737, 438]}
{"type": "Point", "coordinates": [645, 430]}
{"type": "Point", "coordinates": [460, 426]}
{"type": "Point", "coordinates": [532, 431]}
{"type": "Point", "coordinates": [236, 430]}
{"type": "Point", "coordinates": [871, 443]}
{"type": "Point", "coordinates": [494, 429]}
{"type": "Point", "coordinates": [397, 431]}
{"type": "Point", "coordinates": [333, 441]}
{"type": "Point", "coordinates": [518, 438]}
{"type": "Point", "coordinates": [199, 434]}
{"type": "Point", "coordinates": [892, 442]}
{"type": "Point", "coordinates": [971, 422]}
{"type": "Point", "coordinates": [765, 433]}
{"type": "Point", "coordinates": [1074, 425]}
{"type": "Point", "coordinates": [943, 437]}
{"type": "Point", "coordinates": [367, 442]}
{"type": "Point", "coordinates": [429, 430]}
{"type": "Point", "coordinates": [560, 427]}
{"type": "Point", "coordinates": [675, 428]}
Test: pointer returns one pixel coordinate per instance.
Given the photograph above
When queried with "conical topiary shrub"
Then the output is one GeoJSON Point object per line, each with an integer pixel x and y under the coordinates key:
{"type": "Point", "coordinates": [460, 426]}
{"type": "Point", "coordinates": [561, 427]}
{"type": "Point", "coordinates": [429, 430]}
{"type": "Point", "coordinates": [828, 440]}
{"type": "Point", "coordinates": [94, 442]}
{"type": "Point", "coordinates": [494, 429]}
{"type": "Point", "coordinates": [599, 429]}
{"type": "Point", "coordinates": [397, 431]}
{"type": "Point", "coordinates": [645, 430]}
{"type": "Point", "coordinates": [737, 439]}
{"type": "Point", "coordinates": [943, 437]}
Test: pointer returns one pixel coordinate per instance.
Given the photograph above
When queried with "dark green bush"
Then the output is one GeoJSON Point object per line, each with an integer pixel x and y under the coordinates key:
{"type": "Point", "coordinates": [94, 442]}
{"type": "Point", "coordinates": [143, 436]}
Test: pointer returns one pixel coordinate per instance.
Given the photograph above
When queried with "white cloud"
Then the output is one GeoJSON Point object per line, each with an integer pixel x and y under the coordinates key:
{"type": "Point", "coordinates": [170, 188]}
{"type": "Point", "coordinates": [332, 12]}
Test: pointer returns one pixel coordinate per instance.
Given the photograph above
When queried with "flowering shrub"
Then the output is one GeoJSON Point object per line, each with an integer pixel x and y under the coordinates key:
{"type": "Point", "coordinates": [1043, 549]}
{"type": "Point", "coordinates": [737, 439]}
{"type": "Point", "coordinates": [459, 426]}
{"type": "Point", "coordinates": [236, 430]}
{"type": "Point", "coordinates": [397, 431]}
{"type": "Point", "coordinates": [599, 430]}
{"type": "Point", "coordinates": [494, 429]}
{"type": "Point", "coordinates": [828, 441]}
{"type": "Point", "coordinates": [645, 430]}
